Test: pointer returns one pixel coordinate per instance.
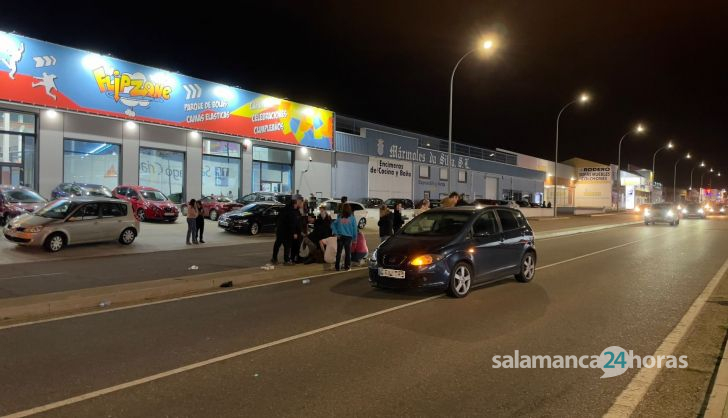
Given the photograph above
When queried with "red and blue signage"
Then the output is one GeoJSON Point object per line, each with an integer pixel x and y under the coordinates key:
{"type": "Point", "coordinates": [49, 75]}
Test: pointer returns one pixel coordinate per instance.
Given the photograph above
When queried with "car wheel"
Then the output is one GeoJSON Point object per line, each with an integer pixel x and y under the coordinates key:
{"type": "Point", "coordinates": [141, 215]}
{"type": "Point", "coordinates": [213, 215]}
{"type": "Point", "coordinates": [55, 242]}
{"type": "Point", "coordinates": [127, 236]}
{"type": "Point", "coordinates": [647, 223]}
{"type": "Point", "coordinates": [528, 267]}
{"type": "Point", "coordinates": [254, 228]}
{"type": "Point", "coordinates": [362, 223]}
{"type": "Point", "coordinates": [460, 280]}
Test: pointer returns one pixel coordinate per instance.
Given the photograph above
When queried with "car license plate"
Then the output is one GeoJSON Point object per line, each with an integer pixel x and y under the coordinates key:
{"type": "Point", "coordinates": [395, 274]}
{"type": "Point", "coordinates": [169, 214]}
{"type": "Point", "coordinates": [223, 223]}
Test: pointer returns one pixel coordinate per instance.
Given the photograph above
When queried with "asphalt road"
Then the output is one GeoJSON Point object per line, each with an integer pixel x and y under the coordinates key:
{"type": "Point", "coordinates": [431, 356]}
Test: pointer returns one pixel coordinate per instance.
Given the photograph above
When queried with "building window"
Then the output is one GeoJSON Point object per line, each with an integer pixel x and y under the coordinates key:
{"type": "Point", "coordinates": [424, 171]}
{"type": "Point", "coordinates": [443, 173]}
{"type": "Point", "coordinates": [91, 162]}
{"type": "Point", "coordinates": [272, 170]}
{"type": "Point", "coordinates": [220, 168]}
{"type": "Point", "coordinates": [17, 148]}
{"type": "Point", "coordinates": [164, 170]}
{"type": "Point", "coordinates": [462, 176]}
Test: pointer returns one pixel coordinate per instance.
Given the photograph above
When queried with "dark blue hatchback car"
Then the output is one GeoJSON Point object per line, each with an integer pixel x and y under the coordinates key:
{"type": "Point", "coordinates": [455, 249]}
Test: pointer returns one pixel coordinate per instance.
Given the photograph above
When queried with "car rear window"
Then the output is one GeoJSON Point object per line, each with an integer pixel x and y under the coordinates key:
{"type": "Point", "coordinates": [508, 220]}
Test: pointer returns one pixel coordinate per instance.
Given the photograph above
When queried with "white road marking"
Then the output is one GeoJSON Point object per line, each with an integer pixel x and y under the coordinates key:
{"type": "Point", "coordinates": [632, 395]}
{"type": "Point", "coordinates": [31, 275]}
{"type": "Point", "coordinates": [141, 381]}
{"type": "Point", "coordinates": [182, 369]}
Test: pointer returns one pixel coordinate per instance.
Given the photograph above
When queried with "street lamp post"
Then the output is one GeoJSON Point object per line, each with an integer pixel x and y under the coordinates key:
{"type": "Point", "coordinates": [583, 98]}
{"type": "Point", "coordinates": [639, 129]}
{"type": "Point", "coordinates": [674, 177]}
{"type": "Point", "coordinates": [668, 146]}
{"type": "Point", "coordinates": [702, 164]}
{"type": "Point", "coordinates": [701, 178]}
{"type": "Point", "coordinates": [487, 45]}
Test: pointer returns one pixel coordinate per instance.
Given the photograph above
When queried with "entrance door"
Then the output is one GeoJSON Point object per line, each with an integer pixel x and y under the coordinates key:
{"type": "Point", "coordinates": [491, 188]}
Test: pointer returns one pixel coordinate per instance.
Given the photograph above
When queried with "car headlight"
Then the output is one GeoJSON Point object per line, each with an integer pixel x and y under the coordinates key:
{"type": "Point", "coordinates": [684, 211]}
{"type": "Point", "coordinates": [701, 210]}
{"type": "Point", "coordinates": [670, 214]}
{"type": "Point", "coordinates": [637, 209]}
{"type": "Point", "coordinates": [34, 229]}
{"type": "Point", "coordinates": [722, 210]}
{"type": "Point", "coordinates": [679, 207]}
{"type": "Point", "coordinates": [425, 260]}
{"type": "Point", "coordinates": [647, 212]}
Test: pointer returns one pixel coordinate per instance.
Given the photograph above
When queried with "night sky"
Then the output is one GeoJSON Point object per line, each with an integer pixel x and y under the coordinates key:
{"type": "Point", "coordinates": [662, 63]}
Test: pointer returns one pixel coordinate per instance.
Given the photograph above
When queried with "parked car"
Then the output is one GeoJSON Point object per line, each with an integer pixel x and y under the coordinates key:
{"type": "Point", "coordinates": [148, 203]}
{"type": "Point", "coordinates": [16, 200]}
{"type": "Point", "coordinates": [523, 204]}
{"type": "Point", "coordinates": [693, 210]}
{"type": "Point", "coordinates": [371, 202]}
{"type": "Point", "coordinates": [253, 218]}
{"type": "Point", "coordinates": [406, 203]}
{"type": "Point", "coordinates": [74, 221]}
{"type": "Point", "coordinates": [80, 189]}
{"type": "Point", "coordinates": [333, 206]}
{"type": "Point", "coordinates": [456, 248]}
{"type": "Point", "coordinates": [509, 203]}
{"type": "Point", "coordinates": [214, 206]}
{"type": "Point", "coordinates": [263, 197]}
{"type": "Point", "coordinates": [721, 210]}
{"type": "Point", "coordinates": [535, 205]}
{"type": "Point", "coordinates": [661, 212]}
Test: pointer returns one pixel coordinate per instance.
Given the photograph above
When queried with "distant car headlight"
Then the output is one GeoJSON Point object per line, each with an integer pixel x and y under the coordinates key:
{"type": "Point", "coordinates": [647, 212]}
{"type": "Point", "coordinates": [425, 260]}
{"type": "Point", "coordinates": [722, 210]}
{"type": "Point", "coordinates": [670, 214]}
{"type": "Point", "coordinates": [679, 207]}
{"type": "Point", "coordinates": [684, 211]}
{"type": "Point", "coordinates": [34, 229]}
{"type": "Point", "coordinates": [701, 210]}
{"type": "Point", "coordinates": [637, 209]}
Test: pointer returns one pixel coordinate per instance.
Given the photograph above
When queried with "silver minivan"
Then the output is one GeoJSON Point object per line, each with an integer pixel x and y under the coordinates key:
{"type": "Point", "coordinates": [75, 221]}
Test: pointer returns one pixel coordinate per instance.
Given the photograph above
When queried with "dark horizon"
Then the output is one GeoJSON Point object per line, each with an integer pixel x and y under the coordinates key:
{"type": "Point", "coordinates": [658, 63]}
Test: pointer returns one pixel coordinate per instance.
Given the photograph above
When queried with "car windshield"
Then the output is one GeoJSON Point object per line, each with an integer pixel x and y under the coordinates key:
{"type": "Point", "coordinates": [57, 210]}
{"type": "Point", "coordinates": [254, 208]}
{"type": "Point", "coordinates": [661, 206]}
{"type": "Point", "coordinates": [693, 206]}
{"type": "Point", "coordinates": [437, 224]}
{"type": "Point", "coordinates": [23, 196]}
{"type": "Point", "coordinates": [153, 195]}
{"type": "Point", "coordinates": [98, 191]}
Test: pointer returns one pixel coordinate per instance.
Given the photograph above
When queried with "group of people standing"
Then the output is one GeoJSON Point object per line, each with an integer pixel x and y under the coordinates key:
{"type": "Point", "coordinates": [195, 222]}
{"type": "Point", "coordinates": [292, 233]}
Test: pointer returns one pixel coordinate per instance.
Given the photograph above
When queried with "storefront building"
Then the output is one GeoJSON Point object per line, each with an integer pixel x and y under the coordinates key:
{"type": "Point", "coordinates": [377, 163]}
{"type": "Point", "coordinates": [68, 115]}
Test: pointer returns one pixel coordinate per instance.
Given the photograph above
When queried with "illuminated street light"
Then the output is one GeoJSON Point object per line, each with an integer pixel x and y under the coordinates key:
{"type": "Point", "coordinates": [674, 176]}
{"type": "Point", "coordinates": [668, 146]}
{"type": "Point", "coordinates": [637, 130]}
{"type": "Point", "coordinates": [702, 164]}
{"type": "Point", "coordinates": [583, 99]}
{"type": "Point", "coordinates": [488, 44]}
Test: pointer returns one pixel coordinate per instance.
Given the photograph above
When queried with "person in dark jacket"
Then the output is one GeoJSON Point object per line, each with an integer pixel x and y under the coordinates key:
{"type": "Point", "coordinates": [321, 231]}
{"type": "Point", "coordinates": [286, 229]}
{"type": "Point", "coordinates": [461, 201]}
{"type": "Point", "coordinates": [386, 228]}
{"type": "Point", "coordinates": [200, 222]}
{"type": "Point", "coordinates": [397, 220]}
{"type": "Point", "coordinates": [301, 229]}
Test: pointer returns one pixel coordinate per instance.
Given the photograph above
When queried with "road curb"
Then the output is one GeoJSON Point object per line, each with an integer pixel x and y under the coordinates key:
{"type": "Point", "coordinates": [52, 304]}
{"type": "Point", "coordinates": [718, 400]}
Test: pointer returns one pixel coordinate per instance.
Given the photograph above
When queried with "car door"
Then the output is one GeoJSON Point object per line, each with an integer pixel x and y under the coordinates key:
{"type": "Point", "coordinates": [270, 216]}
{"type": "Point", "coordinates": [83, 225]}
{"type": "Point", "coordinates": [110, 221]}
{"type": "Point", "coordinates": [486, 246]}
{"type": "Point", "coordinates": [513, 235]}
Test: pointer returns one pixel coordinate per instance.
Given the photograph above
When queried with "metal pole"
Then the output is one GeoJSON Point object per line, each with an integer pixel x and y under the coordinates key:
{"type": "Point", "coordinates": [653, 172]}
{"type": "Point", "coordinates": [449, 131]}
{"type": "Point", "coordinates": [674, 181]}
{"type": "Point", "coordinates": [619, 171]}
{"type": "Point", "coordinates": [556, 155]}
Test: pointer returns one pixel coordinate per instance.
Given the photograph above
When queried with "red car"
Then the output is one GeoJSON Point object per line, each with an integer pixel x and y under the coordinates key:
{"type": "Point", "coordinates": [148, 203]}
{"type": "Point", "coordinates": [16, 201]}
{"type": "Point", "coordinates": [214, 206]}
